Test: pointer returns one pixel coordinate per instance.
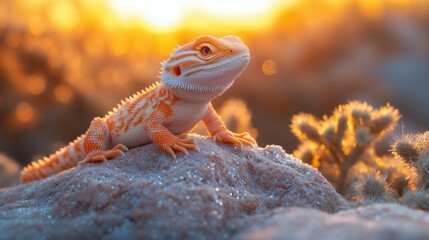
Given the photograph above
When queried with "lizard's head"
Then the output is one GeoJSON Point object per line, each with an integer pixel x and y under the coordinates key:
{"type": "Point", "coordinates": [208, 64]}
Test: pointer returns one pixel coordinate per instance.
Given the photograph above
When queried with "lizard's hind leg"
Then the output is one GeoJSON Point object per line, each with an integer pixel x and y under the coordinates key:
{"type": "Point", "coordinates": [96, 142]}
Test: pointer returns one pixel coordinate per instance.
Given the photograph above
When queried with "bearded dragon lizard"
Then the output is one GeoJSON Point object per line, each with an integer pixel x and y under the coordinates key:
{"type": "Point", "coordinates": [163, 113]}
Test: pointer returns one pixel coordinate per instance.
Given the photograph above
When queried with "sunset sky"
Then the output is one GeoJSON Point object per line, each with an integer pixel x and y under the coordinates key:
{"type": "Point", "coordinates": [307, 56]}
{"type": "Point", "coordinates": [170, 15]}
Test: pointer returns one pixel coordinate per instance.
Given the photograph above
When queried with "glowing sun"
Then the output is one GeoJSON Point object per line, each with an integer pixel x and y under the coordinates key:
{"type": "Point", "coordinates": [170, 15]}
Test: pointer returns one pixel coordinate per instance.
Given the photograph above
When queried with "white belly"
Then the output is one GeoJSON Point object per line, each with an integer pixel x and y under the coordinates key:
{"type": "Point", "coordinates": [133, 137]}
{"type": "Point", "coordinates": [185, 117]}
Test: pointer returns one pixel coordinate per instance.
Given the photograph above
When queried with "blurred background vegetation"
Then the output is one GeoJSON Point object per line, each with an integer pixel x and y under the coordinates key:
{"type": "Point", "coordinates": [64, 62]}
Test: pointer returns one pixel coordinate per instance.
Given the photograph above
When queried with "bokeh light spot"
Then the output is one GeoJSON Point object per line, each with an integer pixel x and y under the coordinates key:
{"type": "Point", "coordinates": [63, 93]}
{"type": "Point", "coordinates": [24, 112]}
{"type": "Point", "coordinates": [35, 85]}
{"type": "Point", "coordinates": [110, 77]}
{"type": "Point", "coordinates": [269, 67]}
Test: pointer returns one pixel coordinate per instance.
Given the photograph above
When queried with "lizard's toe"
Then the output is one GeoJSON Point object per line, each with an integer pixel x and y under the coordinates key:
{"type": "Point", "coordinates": [179, 148]}
{"type": "Point", "coordinates": [93, 159]}
{"type": "Point", "coordinates": [171, 152]}
{"type": "Point", "coordinates": [242, 139]}
{"type": "Point", "coordinates": [104, 155]}
{"type": "Point", "coordinates": [181, 144]}
{"type": "Point", "coordinates": [121, 147]}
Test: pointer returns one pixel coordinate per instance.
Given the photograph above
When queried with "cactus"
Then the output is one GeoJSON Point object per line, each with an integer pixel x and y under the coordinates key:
{"type": "Point", "coordinates": [373, 189]}
{"type": "Point", "coordinates": [342, 146]}
{"type": "Point", "coordinates": [413, 150]}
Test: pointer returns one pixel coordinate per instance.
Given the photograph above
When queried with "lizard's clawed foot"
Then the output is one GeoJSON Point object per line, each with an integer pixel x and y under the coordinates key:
{"type": "Point", "coordinates": [102, 155]}
{"type": "Point", "coordinates": [238, 139]}
{"type": "Point", "coordinates": [181, 144]}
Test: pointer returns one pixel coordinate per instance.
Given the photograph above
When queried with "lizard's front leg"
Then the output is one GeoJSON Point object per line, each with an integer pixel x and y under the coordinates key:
{"type": "Point", "coordinates": [96, 142]}
{"type": "Point", "coordinates": [220, 133]}
{"type": "Point", "coordinates": [162, 137]}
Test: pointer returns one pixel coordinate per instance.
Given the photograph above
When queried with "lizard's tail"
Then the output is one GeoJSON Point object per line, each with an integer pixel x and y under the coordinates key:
{"type": "Point", "coordinates": [65, 158]}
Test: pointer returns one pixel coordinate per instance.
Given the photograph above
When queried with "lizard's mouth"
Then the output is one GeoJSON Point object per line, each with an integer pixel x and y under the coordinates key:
{"type": "Point", "coordinates": [216, 77]}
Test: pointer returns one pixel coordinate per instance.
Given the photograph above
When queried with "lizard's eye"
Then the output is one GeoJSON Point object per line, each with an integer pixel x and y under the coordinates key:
{"type": "Point", "coordinates": [205, 51]}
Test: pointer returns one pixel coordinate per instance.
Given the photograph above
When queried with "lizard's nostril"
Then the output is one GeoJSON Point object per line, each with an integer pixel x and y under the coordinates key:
{"type": "Point", "coordinates": [177, 70]}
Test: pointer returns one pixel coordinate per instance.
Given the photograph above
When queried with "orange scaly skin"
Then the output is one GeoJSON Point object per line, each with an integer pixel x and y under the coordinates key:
{"type": "Point", "coordinates": [193, 75]}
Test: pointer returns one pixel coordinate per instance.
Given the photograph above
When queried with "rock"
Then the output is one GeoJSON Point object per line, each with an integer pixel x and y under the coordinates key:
{"type": "Point", "coordinates": [212, 194]}
{"type": "Point", "coordinates": [9, 172]}
{"type": "Point", "coordinates": [381, 221]}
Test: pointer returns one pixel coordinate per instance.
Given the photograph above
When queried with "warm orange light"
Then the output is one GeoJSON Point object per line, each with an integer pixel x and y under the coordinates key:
{"type": "Point", "coordinates": [3, 15]}
{"type": "Point", "coordinates": [36, 26]}
{"type": "Point", "coordinates": [158, 15]}
{"type": "Point", "coordinates": [63, 14]}
{"type": "Point", "coordinates": [118, 45]}
{"type": "Point", "coordinates": [269, 67]}
{"type": "Point", "coordinates": [171, 15]}
{"type": "Point", "coordinates": [371, 9]}
{"type": "Point", "coordinates": [35, 85]}
{"type": "Point", "coordinates": [110, 77]}
{"type": "Point", "coordinates": [24, 112]}
{"type": "Point", "coordinates": [63, 93]}
{"type": "Point", "coordinates": [94, 45]}
{"type": "Point", "coordinates": [13, 39]}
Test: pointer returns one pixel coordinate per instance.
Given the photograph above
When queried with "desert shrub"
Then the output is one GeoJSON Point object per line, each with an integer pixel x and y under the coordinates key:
{"type": "Point", "coordinates": [373, 189]}
{"type": "Point", "coordinates": [342, 145]}
{"type": "Point", "coordinates": [413, 190]}
{"type": "Point", "coordinates": [413, 150]}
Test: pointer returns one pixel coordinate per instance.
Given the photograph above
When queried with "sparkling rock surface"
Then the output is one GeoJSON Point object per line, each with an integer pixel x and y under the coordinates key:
{"type": "Point", "coordinates": [377, 222]}
{"type": "Point", "coordinates": [216, 193]}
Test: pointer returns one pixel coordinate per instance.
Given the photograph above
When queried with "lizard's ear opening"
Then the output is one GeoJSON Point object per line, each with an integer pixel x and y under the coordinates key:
{"type": "Point", "coordinates": [177, 71]}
